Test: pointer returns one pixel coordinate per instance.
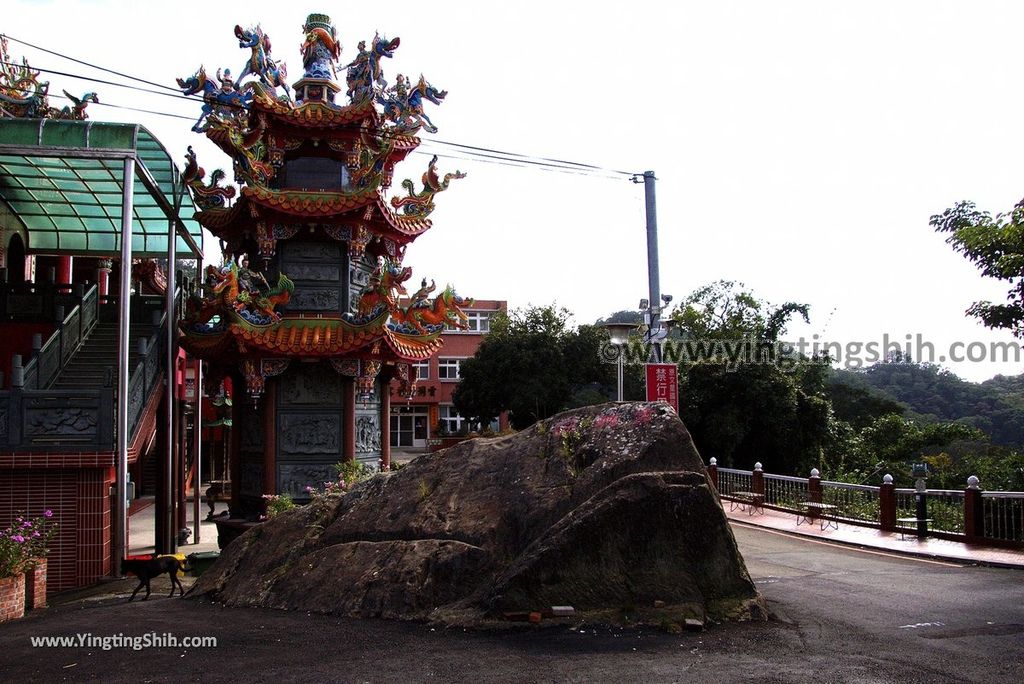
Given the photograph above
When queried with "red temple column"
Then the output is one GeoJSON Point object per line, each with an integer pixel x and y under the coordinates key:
{"type": "Point", "coordinates": [348, 440]}
{"type": "Point", "coordinates": [64, 264]}
{"type": "Point", "coordinates": [385, 425]}
{"type": "Point", "coordinates": [103, 276]}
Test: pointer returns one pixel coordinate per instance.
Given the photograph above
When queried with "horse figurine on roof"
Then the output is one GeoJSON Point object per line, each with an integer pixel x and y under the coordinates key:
{"type": "Point", "coordinates": [364, 75]}
{"type": "Point", "coordinates": [404, 104]}
{"type": "Point", "coordinates": [260, 64]}
{"type": "Point", "coordinates": [225, 101]}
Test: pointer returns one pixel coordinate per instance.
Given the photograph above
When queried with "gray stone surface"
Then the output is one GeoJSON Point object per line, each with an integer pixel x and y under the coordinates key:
{"type": "Point", "coordinates": [606, 509]}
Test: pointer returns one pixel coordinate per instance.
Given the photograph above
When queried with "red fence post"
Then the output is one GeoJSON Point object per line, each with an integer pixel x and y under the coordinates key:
{"type": "Point", "coordinates": [887, 504]}
{"type": "Point", "coordinates": [713, 471]}
{"type": "Point", "coordinates": [757, 479]}
{"type": "Point", "coordinates": [814, 486]}
{"type": "Point", "coordinates": [974, 513]}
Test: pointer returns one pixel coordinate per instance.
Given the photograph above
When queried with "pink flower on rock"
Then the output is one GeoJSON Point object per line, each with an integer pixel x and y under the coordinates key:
{"type": "Point", "coordinates": [643, 415]}
{"type": "Point", "coordinates": [18, 538]}
{"type": "Point", "coordinates": [606, 422]}
{"type": "Point", "coordinates": [567, 425]}
{"type": "Point", "coordinates": [48, 513]}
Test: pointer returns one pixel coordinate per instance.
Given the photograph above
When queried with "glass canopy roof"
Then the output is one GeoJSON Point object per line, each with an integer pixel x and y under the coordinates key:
{"type": "Point", "coordinates": [64, 180]}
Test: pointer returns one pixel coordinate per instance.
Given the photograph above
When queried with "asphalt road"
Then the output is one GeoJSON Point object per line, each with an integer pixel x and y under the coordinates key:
{"type": "Point", "coordinates": [839, 615]}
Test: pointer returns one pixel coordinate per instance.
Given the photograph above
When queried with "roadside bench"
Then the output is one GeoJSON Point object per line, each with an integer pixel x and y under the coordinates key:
{"type": "Point", "coordinates": [904, 523]}
{"type": "Point", "coordinates": [812, 510]}
{"type": "Point", "coordinates": [749, 502]}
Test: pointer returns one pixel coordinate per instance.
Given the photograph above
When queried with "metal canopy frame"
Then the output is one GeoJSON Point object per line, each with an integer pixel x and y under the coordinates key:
{"type": "Point", "coordinates": [64, 182]}
{"type": "Point", "coordinates": [109, 146]}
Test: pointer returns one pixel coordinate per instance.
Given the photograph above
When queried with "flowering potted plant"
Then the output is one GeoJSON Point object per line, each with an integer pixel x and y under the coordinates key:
{"type": "Point", "coordinates": [23, 548]}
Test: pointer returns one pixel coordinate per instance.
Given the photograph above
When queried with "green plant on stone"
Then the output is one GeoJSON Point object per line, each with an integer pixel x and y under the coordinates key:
{"type": "Point", "coordinates": [352, 471]}
{"type": "Point", "coordinates": [278, 504]}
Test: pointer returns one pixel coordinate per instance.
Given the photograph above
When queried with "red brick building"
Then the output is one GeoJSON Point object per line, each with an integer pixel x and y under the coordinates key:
{"type": "Point", "coordinates": [430, 414]}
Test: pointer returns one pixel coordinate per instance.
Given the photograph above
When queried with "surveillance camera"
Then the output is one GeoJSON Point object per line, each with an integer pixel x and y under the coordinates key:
{"type": "Point", "coordinates": [666, 298]}
{"type": "Point", "coordinates": [644, 304]}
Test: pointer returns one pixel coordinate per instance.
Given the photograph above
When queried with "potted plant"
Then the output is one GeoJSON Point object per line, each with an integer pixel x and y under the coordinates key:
{"type": "Point", "coordinates": [12, 574]}
{"type": "Point", "coordinates": [38, 535]}
{"type": "Point", "coordinates": [23, 548]}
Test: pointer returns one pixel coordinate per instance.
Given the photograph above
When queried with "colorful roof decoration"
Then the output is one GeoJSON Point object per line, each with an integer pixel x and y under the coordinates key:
{"type": "Point", "coordinates": [23, 96]}
{"type": "Point", "coordinates": [312, 168]}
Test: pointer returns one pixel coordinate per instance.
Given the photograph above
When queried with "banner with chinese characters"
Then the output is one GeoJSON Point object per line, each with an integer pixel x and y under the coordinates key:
{"type": "Point", "coordinates": [663, 384]}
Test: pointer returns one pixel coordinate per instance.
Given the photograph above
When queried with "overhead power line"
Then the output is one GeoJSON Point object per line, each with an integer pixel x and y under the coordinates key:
{"type": "Point", "coordinates": [84, 63]}
{"type": "Point", "coordinates": [467, 152]}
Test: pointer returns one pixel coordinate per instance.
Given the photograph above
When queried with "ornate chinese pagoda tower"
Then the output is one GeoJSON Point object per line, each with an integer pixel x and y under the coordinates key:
{"type": "Point", "coordinates": [309, 312]}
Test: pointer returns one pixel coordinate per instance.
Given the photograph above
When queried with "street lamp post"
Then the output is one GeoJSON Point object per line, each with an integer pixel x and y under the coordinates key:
{"type": "Point", "coordinates": [618, 334]}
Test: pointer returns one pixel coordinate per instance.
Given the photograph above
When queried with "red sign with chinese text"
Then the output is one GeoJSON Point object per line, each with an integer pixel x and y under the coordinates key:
{"type": "Point", "coordinates": [663, 384]}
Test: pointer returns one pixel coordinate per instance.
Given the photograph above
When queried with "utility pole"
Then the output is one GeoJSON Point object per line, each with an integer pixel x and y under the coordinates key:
{"type": "Point", "coordinates": [653, 314]}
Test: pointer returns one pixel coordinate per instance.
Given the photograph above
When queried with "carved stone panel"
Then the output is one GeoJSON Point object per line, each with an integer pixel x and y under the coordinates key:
{"type": "Point", "coordinates": [370, 459]}
{"type": "Point", "coordinates": [71, 420]}
{"type": "Point", "coordinates": [309, 298]}
{"type": "Point", "coordinates": [293, 478]}
{"type": "Point", "coordinates": [330, 273]}
{"type": "Point", "coordinates": [360, 277]}
{"type": "Point", "coordinates": [317, 251]}
{"type": "Point", "coordinates": [367, 432]}
{"type": "Point", "coordinates": [302, 435]}
{"type": "Point", "coordinates": [309, 384]}
{"type": "Point", "coordinates": [320, 273]}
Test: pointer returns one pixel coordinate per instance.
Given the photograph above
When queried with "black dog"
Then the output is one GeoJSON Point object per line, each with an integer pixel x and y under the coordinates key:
{"type": "Point", "coordinates": [146, 570]}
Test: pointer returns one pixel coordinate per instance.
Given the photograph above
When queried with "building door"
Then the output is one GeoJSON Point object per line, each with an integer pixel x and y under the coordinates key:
{"type": "Point", "coordinates": [409, 427]}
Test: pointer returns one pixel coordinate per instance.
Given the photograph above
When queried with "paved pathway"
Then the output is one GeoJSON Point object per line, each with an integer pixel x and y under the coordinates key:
{"type": "Point", "coordinates": [142, 531]}
{"type": "Point", "coordinates": [870, 537]}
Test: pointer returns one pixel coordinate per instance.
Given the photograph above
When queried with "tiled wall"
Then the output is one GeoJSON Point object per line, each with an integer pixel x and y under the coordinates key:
{"type": "Point", "coordinates": [79, 499]}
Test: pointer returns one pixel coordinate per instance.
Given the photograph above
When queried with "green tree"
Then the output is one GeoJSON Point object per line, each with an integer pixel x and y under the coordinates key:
{"type": "Point", "coordinates": [996, 246]}
{"type": "Point", "coordinates": [533, 364]}
{"type": "Point", "coordinates": [856, 401]}
{"type": "Point", "coordinates": [891, 443]}
{"type": "Point", "coordinates": [738, 403]}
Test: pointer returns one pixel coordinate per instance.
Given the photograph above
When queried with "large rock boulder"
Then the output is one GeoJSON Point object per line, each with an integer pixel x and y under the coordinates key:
{"type": "Point", "coordinates": [606, 509]}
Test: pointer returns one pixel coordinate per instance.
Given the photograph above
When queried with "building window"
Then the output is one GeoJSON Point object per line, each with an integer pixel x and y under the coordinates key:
{"type": "Point", "coordinates": [422, 370]}
{"type": "Point", "coordinates": [449, 369]}
{"type": "Point", "coordinates": [476, 322]}
{"type": "Point", "coordinates": [479, 321]}
{"type": "Point", "coordinates": [450, 420]}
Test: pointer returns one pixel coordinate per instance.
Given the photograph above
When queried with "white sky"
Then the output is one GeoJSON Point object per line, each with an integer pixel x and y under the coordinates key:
{"type": "Point", "coordinates": [800, 147]}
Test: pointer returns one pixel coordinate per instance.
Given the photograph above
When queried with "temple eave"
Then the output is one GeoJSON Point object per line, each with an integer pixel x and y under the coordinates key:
{"type": "Point", "coordinates": [311, 338]}
{"type": "Point", "coordinates": [327, 207]}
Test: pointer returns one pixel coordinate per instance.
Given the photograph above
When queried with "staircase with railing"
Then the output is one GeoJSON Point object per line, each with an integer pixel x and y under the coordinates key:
{"type": "Point", "coordinates": [63, 399]}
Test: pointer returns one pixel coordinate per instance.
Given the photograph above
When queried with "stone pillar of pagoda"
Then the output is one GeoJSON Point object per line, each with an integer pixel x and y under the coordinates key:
{"type": "Point", "coordinates": [385, 426]}
{"type": "Point", "coordinates": [349, 407]}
